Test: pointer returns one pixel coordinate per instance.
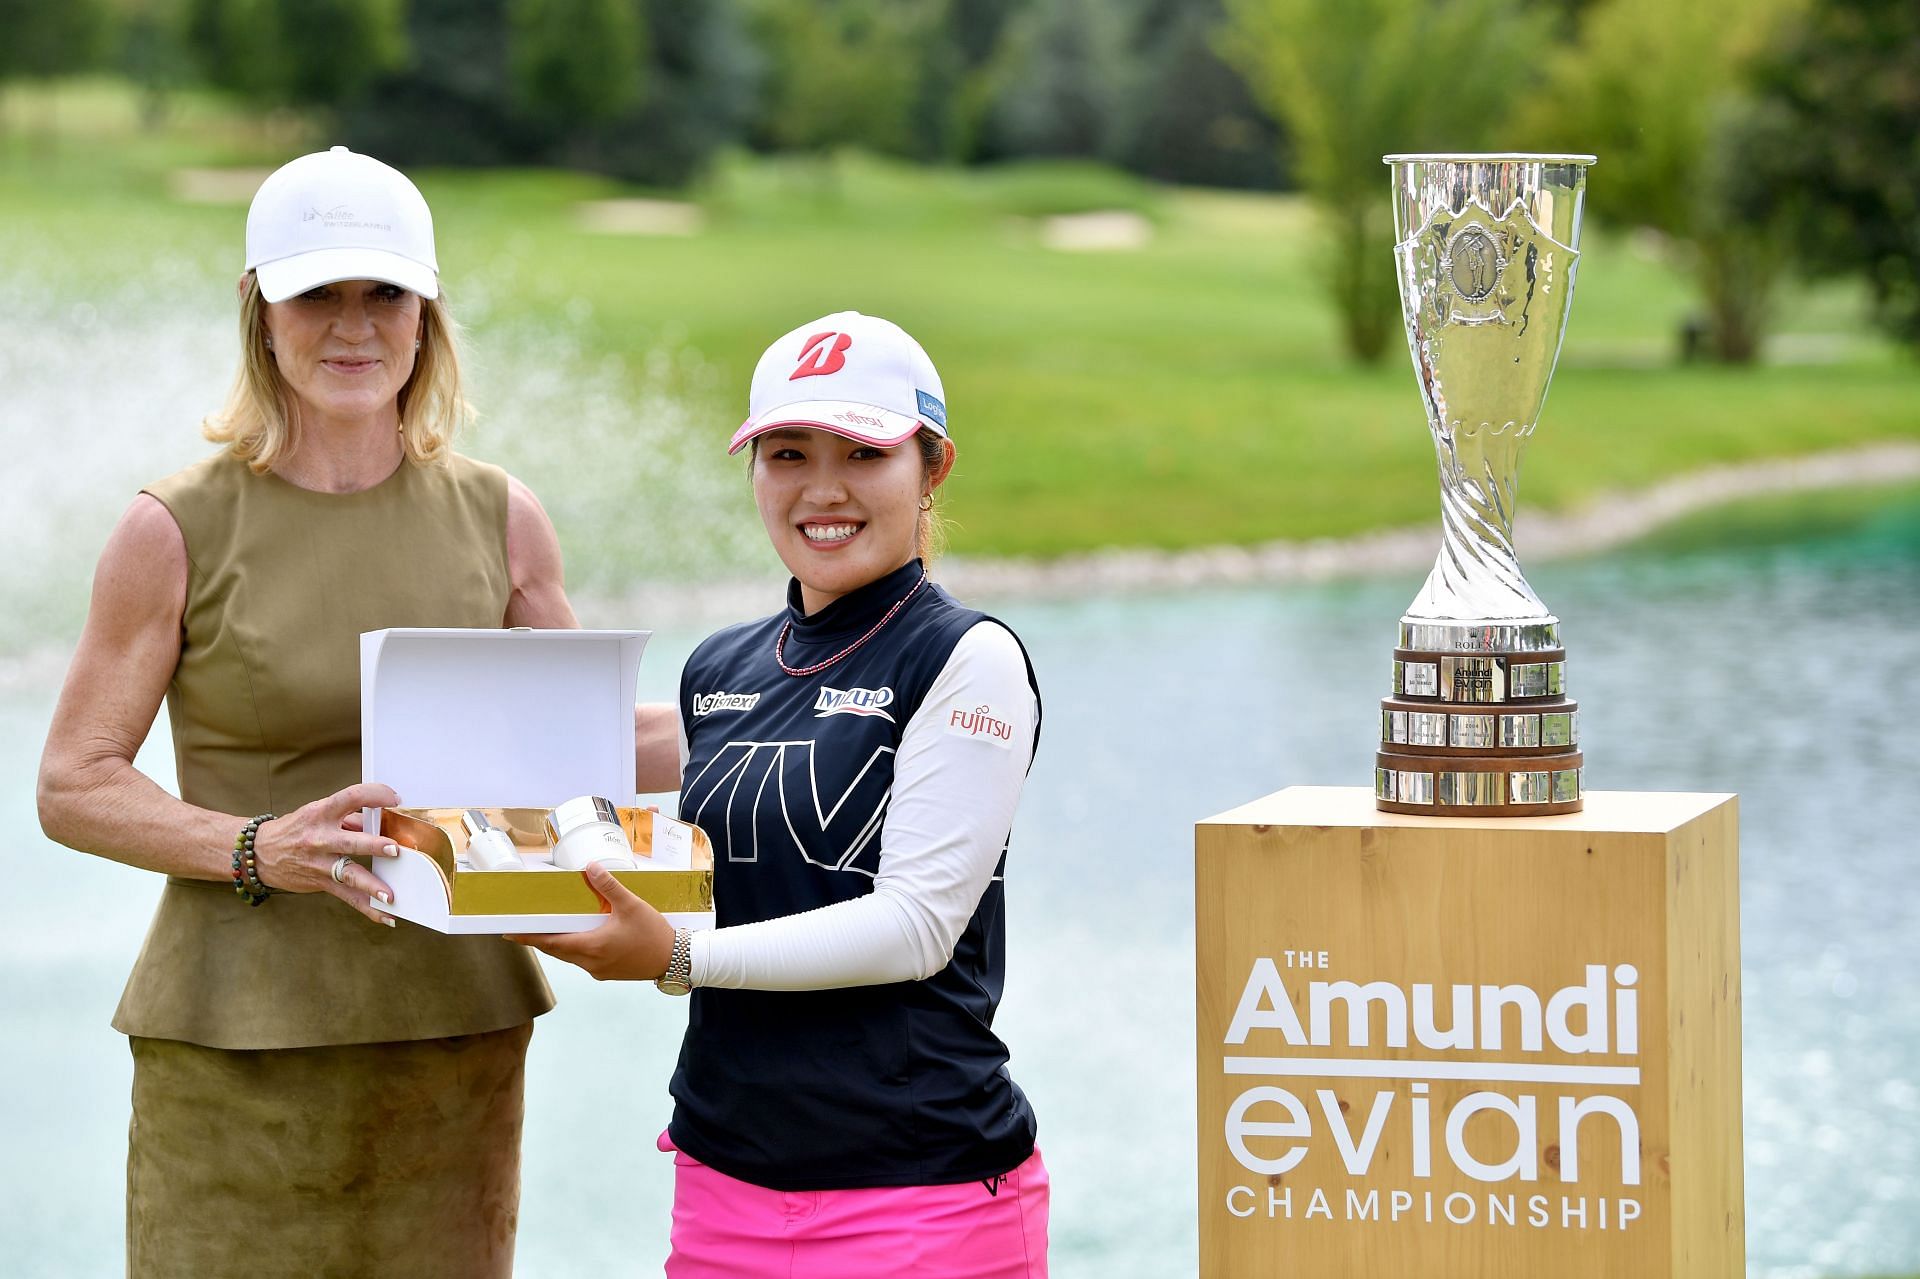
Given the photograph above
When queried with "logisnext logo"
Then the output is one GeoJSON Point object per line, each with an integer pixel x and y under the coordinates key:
{"type": "Point", "coordinates": [708, 703]}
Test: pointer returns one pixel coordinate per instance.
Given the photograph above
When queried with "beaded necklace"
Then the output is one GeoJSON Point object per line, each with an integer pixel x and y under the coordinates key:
{"type": "Point", "coordinates": [780, 640]}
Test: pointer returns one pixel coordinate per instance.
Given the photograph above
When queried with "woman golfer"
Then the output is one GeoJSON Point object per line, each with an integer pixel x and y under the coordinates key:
{"type": "Point", "coordinates": [842, 1105]}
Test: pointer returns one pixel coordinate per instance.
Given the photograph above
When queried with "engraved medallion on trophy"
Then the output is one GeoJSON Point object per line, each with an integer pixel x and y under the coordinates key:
{"type": "Point", "coordinates": [1479, 723]}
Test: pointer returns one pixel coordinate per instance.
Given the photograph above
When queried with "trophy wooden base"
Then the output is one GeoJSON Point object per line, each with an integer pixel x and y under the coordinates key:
{"type": "Point", "coordinates": [1464, 1049]}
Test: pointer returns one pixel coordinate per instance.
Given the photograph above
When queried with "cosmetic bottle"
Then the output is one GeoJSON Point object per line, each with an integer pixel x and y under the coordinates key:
{"type": "Point", "coordinates": [489, 847]}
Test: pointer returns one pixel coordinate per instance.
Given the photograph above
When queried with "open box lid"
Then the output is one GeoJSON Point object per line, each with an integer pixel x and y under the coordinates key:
{"type": "Point", "coordinates": [499, 718]}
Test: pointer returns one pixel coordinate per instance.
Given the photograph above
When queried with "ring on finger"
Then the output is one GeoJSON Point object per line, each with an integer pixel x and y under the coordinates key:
{"type": "Point", "coordinates": [339, 871]}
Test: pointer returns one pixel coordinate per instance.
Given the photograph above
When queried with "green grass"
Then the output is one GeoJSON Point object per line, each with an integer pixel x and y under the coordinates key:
{"type": "Point", "coordinates": [1189, 393]}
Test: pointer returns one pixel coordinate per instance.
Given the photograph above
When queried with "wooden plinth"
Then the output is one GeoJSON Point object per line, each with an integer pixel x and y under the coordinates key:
{"type": "Point", "coordinates": [1312, 1163]}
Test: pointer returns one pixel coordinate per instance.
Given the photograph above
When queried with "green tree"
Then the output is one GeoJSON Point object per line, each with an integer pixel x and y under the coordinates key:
{"type": "Point", "coordinates": [845, 72]}
{"type": "Point", "coordinates": [1191, 118]}
{"type": "Point", "coordinates": [465, 104]}
{"type": "Point", "coordinates": [1832, 145]}
{"type": "Point", "coordinates": [39, 40]}
{"type": "Point", "coordinates": [301, 52]}
{"type": "Point", "coordinates": [335, 48]}
{"type": "Point", "coordinates": [974, 27]}
{"type": "Point", "coordinates": [957, 89]}
{"type": "Point", "coordinates": [152, 51]}
{"type": "Point", "coordinates": [236, 45]}
{"type": "Point", "coordinates": [1651, 87]}
{"type": "Point", "coordinates": [702, 81]}
{"type": "Point", "coordinates": [1061, 80]}
{"type": "Point", "coordinates": [1353, 80]}
{"type": "Point", "coordinates": [454, 106]}
{"type": "Point", "coordinates": [43, 39]}
{"type": "Point", "coordinates": [577, 61]}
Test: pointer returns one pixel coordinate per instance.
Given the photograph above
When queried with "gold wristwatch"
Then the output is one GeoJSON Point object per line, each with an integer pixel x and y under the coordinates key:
{"type": "Point", "coordinates": [678, 979]}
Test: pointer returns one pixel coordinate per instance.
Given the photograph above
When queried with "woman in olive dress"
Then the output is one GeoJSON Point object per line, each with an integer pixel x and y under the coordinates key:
{"type": "Point", "coordinates": [315, 1091]}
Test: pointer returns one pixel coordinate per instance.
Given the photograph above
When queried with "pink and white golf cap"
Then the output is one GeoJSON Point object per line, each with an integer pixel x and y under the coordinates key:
{"type": "Point", "coordinates": [855, 375]}
{"type": "Point", "coordinates": [338, 215]}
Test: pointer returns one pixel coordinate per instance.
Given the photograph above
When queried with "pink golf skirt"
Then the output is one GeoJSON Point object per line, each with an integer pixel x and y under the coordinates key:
{"type": "Point", "coordinates": [724, 1228]}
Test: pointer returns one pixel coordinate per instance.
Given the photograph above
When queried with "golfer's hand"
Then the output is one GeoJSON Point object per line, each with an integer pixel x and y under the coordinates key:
{"type": "Point", "coordinates": [634, 945]}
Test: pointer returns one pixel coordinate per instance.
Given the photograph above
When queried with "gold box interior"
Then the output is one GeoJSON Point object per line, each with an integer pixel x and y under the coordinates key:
{"type": "Point", "coordinates": [542, 889]}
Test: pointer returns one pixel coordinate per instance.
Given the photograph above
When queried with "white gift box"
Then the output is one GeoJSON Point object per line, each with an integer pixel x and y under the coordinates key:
{"type": "Point", "coordinates": [512, 722]}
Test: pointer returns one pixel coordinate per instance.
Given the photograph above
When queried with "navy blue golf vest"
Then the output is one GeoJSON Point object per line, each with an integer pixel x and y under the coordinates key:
{"type": "Point", "coordinates": [901, 1084]}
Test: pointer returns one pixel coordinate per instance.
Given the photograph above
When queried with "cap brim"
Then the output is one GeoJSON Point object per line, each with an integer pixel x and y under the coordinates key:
{"type": "Point", "coordinates": [882, 428]}
{"type": "Point", "coordinates": [291, 276]}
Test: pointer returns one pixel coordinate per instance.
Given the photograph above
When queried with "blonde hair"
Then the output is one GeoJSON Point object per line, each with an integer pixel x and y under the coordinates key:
{"type": "Point", "coordinates": [260, 422]}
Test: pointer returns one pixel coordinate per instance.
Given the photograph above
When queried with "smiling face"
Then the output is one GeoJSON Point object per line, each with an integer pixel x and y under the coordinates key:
{"type": "Point", "coordinates": [346, 349]}
{"type": "Point", "coordinates": [840, 513]}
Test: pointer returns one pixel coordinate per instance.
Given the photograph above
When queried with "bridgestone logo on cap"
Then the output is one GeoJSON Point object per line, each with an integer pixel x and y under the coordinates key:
{"type": "Point", "coordinates": [819, 357]}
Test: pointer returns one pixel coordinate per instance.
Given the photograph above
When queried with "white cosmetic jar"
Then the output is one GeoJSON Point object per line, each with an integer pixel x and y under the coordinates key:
{"type": "Point", "coordinates": [586, 830]}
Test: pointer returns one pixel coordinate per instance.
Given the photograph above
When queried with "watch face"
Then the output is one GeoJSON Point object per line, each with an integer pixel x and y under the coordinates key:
{"type": "Point", "coordinates": [669, 986]}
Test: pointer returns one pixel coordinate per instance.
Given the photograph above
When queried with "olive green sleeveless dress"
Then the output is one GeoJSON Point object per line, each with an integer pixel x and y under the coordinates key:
{"type": "Point", "coordinates": [315, 1094]}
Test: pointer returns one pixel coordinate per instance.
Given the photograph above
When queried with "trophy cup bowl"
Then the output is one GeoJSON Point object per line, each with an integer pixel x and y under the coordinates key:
{"type": "Point", "coordinates": [1479, 723]}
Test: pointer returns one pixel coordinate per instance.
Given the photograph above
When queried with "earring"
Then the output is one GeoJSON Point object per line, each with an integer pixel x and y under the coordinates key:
{"type": "Point", "coordinates": [416, 344]}
{"type": "Point", "coordinates": [269, 343]}
{"type": "Point", "coordinates": [926, 503]}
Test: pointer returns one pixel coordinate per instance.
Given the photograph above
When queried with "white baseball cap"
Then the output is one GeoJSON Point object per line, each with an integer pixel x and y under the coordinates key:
{"type": "Point", "coordinates": [855, 375]}
{"type": "Point", "coordinates": [337, 215]}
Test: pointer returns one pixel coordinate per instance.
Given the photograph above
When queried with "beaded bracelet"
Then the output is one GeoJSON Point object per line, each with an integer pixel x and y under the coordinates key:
{"type": "Point", "coordinates": [246, 878]}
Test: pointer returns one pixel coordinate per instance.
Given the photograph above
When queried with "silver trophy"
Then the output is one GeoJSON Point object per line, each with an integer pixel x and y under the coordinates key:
{"type": "Point", "coordinates": [1479, 723]}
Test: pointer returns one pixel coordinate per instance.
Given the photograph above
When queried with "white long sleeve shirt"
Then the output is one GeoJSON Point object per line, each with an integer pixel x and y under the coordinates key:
{"type": "Point", "coordinates": [954, 794]}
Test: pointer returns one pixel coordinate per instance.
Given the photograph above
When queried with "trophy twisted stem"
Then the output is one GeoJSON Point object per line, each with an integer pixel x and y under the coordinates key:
{"type": "Point", "coordinates": [1477, 574]}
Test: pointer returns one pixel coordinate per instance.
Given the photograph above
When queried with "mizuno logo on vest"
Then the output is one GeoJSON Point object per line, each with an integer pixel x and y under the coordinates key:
{"type": "Point", "coordinates": [708, 703]}
{"type": "Point", "coordinates": [853, 701]}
